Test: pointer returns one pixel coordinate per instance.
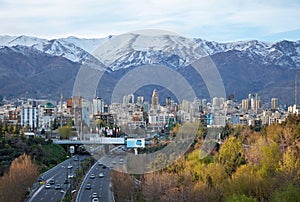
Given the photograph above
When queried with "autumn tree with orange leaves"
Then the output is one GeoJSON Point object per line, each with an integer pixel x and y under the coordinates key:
{"type": "Point", "coordinates": [21, 175]}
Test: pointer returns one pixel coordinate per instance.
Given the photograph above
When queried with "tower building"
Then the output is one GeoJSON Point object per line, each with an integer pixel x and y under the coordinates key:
{"type": "Point", "coordinates": [154, 104]}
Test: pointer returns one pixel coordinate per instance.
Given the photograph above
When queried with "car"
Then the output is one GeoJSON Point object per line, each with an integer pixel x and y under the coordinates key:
{"type": "Point", "coordinates": [41, 179]}
{"type": "Point", "coordinates": [48, 186]}
{"type": "Point", "coordinates": [94, 195]}
{"type": "Point", "coordinates": [88, 186]}
{"type": "Point", "coordinates": [100, 164]}
{"type": "Point", "coordinates": [104, 167]}
{"type": "Point", "coordinates": [66, 181]}
{"type": "Point", "coordinates": [92, 176]}
{"type": "Point", "coordinates": [51, 181]}
{"type": "Point", "coordinates": [70, 176]}
{"type": "Point", "coordinates": [57, 186]}
{"type": "Point", "coordinates": [70, 166]}
{"type": "Point", "coordinates": [114, 162]}
{"type": "Point", "coordinates": [101, 175]}
{"type": "Point", "coordinates": [95, 200]}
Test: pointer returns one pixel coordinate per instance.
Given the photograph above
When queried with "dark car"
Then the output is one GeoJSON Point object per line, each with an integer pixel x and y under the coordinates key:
{"type": "Point", "coordinates": [52, 181]}
{"type": "Point", "coordinates": [57, 186]}
{"type": "Point", "coordinates": [41, 179]}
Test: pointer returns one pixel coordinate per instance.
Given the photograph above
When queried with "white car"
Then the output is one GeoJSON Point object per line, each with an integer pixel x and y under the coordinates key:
{"type": "Point", "coordinates": [94, 195]}
{"type": "Point", "coordinates": [101, 175]}
{"type": "Point", "coordinates": [48, 186]}
{"type": "Point", "coordinates": [70, 166]}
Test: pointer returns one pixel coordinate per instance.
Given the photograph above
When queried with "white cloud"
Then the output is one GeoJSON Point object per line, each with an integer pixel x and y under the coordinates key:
{"type": "Point", "coordinates": [218, 20]}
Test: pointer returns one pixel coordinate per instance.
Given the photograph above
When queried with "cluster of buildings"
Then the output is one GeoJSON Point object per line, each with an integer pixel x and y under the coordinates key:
{"type": "Point", "coordinates": [136, 112]}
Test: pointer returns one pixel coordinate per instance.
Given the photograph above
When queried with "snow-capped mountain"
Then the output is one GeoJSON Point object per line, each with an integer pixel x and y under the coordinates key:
{"type": "Point", "coordinates": [129, 50]}
{"type": "Point", "coordinates": [89, 45]}
{"type": "Point", "coordinates": [245, 66]}
{"type": "Point", "coordinates": [282, 53]}
{"type": "Point", "coordinates": [72, 48]}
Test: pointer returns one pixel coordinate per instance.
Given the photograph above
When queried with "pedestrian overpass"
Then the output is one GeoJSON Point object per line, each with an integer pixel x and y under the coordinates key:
{"type": "Point", "coordinates": [93, 141]}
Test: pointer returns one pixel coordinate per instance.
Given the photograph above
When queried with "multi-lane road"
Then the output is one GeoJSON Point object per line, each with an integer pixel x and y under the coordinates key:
{"type": "Point", "coordinates": [59, 174]}
{"type": "Point", "coordinates": [100, 185]}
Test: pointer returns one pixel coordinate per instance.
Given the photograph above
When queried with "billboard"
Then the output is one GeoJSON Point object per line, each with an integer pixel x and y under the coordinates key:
{"type": "Point", "coordinates": [135, 143]}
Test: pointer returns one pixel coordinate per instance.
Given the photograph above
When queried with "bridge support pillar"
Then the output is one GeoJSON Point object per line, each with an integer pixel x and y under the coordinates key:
{"type": "Point", "coordinates": [106, 148]}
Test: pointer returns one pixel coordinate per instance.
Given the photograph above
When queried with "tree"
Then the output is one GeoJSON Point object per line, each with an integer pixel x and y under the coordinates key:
{"type": "Point", "coordinates": [227, 131]}
{"type": "Point", "coordinates": [290, 164]}
{"type": "Point", "coordinates": [123, 186]}
{"type": "Point", "coordinates": [70, 122]}
{"type": "Point", "coordinates": [21, 175]}
{"type": "Point", "coordinates": [231, 155]}
{"type": "Point", "coordinates": [1, 129]}
{"type": "Point", "coordinates": [288, 193]}
{"type": "Point", "coordinates": [16, 129]}
{"type": "Point", "coordinates": [65, 132]}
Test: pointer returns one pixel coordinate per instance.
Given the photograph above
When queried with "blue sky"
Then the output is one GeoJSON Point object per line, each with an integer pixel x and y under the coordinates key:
{"type": "Point", "coordinates": [218, 20]}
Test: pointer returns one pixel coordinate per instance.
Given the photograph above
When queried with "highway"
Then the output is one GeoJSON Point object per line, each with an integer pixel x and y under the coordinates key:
{"type": "Point", "coordinates": [58, 174]}
{"type": "Point", "coordinates": [101, 185]}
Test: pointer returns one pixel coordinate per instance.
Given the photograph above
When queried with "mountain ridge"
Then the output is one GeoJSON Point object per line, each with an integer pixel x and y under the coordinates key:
{"type": "Point", "coordinates": [245, 66]}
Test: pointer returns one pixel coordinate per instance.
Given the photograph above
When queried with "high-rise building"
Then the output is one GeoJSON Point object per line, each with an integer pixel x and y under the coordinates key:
{"type": "Point", "coordinates": [185, 105]}
{"type": "Point", "coordinates": [168, 101]}
{"type": "Point", "coordinates": [29, 114]}
{"type": "Point", "coordinates": [146, 106]}
{"type": "Point", "coordinates": [255, 102]}
{"type": "Point", "coordinates": [140, 100]}
{"type": "Point", "coordinates": [274, 103]}
{"type": "Point", "coordinates": [130, 98]}
{"type": "Point", "coordinates": [245, 104]}
{"type": "Point", "coordinates": [98, 106]}
{"type": "Point", "coordinates": [47, 114]}
{"type": "Point", "coordinates": [154, 104]}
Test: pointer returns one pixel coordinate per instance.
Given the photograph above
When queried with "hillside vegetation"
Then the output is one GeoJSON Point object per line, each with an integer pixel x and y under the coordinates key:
{"type": "Point", "coordinates": [252, 164]}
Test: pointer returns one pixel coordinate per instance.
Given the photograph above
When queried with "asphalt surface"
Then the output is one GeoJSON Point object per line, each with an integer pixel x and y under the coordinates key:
{"type": "Point", "coordinates": [59, 173]}
{"type": "Point", "coordinates": [115, 159]}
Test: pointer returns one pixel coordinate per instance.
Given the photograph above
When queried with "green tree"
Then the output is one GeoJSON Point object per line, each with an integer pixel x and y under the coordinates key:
{"type": "Point", "coordinates": [1, 129]}
{"type": "Point", "coordinates": [16, 129]}
{"type": "Point", "coordinates": [100, 123]}
{"type": "Point", "coordinates": [70, 122]}
{"type": "Point", "coordinates": [269, 158]}
{"type": "Point", "coordinates": [231, 155]}
{"type": "Point", "coordinates": [65, 132]}
{"type": "Point", "coordinates": [287, 194]}
{"type": "Point", "coordinates": [290, 164]}
{"type": "Point", "coordinates": [5, 127]}
{"type": "Point", "coordinates": [241, 198]}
